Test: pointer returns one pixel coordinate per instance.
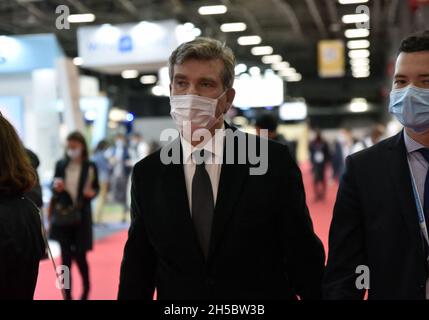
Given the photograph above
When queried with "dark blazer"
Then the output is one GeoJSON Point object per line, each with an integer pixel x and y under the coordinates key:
{"type": "Point", "coordinates": [262, 247]}
{"type": "Point", "coordinates": [375, 223]}
{"type": "Point", "coordinates": [82, 234]}
{"type": "Point", "coordinates": [21, 247]}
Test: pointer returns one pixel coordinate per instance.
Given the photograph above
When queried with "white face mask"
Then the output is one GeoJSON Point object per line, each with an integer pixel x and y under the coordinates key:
{"type": "Point", "coordinates": [74, 153]}
{"type": "Point", "coordinates": [191, 112]}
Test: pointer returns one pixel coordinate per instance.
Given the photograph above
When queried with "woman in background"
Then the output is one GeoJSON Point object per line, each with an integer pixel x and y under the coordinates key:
{"type": "Point", "coordinates": [21, 241]}
{"type": "Point", "coordinates": [77, 176]}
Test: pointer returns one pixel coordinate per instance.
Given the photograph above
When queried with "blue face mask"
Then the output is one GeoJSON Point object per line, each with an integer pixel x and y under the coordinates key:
{"type": "Point", "coordinates": [410, 105]}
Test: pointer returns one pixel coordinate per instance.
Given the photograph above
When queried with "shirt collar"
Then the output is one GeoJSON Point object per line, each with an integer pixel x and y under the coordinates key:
{"type": "Point", "coordinates": [214, 146]}
{"type": "Point", "coordinates": [410, 144]}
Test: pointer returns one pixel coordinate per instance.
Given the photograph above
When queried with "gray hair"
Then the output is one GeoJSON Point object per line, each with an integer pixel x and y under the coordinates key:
{"type": "Point", "coordinates": [205, 49]}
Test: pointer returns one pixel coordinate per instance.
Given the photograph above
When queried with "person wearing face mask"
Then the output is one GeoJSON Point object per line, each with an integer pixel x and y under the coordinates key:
{"type": "Point", "coordinates": [77, 176]}
{"type": "Point", "coordinates": [206, 228]}
{"type": "Point", "coordinates": [378, 238]}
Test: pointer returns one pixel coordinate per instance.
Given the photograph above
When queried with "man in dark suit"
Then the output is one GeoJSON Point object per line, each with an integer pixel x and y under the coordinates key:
{"type": "Point", "coordinates": [215, 229]}
{"type": "Point", "coordinates": [378, 238]}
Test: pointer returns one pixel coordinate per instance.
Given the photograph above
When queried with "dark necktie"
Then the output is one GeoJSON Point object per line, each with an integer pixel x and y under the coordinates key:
{"type": "Point", "coordinates": [202, 203]}
{"type": "Point", "coordinates": [425, 153]}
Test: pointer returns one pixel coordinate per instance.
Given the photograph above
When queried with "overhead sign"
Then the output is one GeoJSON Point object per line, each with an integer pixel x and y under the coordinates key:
{"type": "Point", "coordinates": [127, 44]}
{"type": "Point", "coordinates": [331, 58]}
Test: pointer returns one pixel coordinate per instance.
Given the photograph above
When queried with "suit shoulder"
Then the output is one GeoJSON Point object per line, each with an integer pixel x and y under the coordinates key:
{"type": "Point", "coordinates": [150, 162]}
{"type": "Point", "coordinates": [375, 152]}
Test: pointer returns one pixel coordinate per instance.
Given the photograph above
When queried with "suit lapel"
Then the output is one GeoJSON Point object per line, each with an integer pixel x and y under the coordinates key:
{"type": "Point", "coordinates": [400, 174]}
{"type": "Point", "coordinates": [178, 212]}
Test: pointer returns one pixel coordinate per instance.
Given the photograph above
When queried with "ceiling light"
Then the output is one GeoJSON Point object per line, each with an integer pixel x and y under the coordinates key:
{"type": "Point", "coordinates": [233, 27]}
{"type": "Point", "coordinates": [294, 78]}
{"type": "Point", "coordinates": [240, 68]}
{"type": "Point", "coordinates": [281, 66]}
{"type": "Point", "coordinates": [81, 18]}
{"type": "Point", "coordinates": [207, 10]}
{"type": "Point", "coordinates": [359, 62]}
{"type": "Point", "coordinates": [78, 61]}
{"type": "Point", "coordinates": [287, 72]}
{"type": "Point", "coordinates": [130, 74]}
{"type": "Point", "coordinates": [363, 74]}
{"type": "Point", "coordinates": [359, 105]}
{"type": "Point", "coordinates": [274, 58]}
{"type": "Point", "coordinates": [358, 54]}
{"type": "Point", "coordinates": [249, 40]}
{"type": "Point", "coordinates": [356, 33]}
{"type": "Point", "coordinates": [358, 44]}
{"type": "Point", "coordinates": [360, 69]}
{"type": "Point", "coordinates": [355, 18]}
{"type": "Point", "coordinates": [255, 71]}
{"type": "Point", "coordinates": [189, 25]}
{"type": "Point", "coordinates": [262, 50]}
{"type": "Point", "coordinates": [148, 79]}
{"type": "Point", "coordinates": [159, 91]}
{"type": "Point", "coordinates": [352, 1]}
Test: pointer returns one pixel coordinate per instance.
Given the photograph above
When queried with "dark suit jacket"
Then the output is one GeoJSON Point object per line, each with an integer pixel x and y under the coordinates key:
{"type": "Point", "coordinates": [262, 246]}
{"type": "Point", "coordinates": [81, 236]}
{"type": "Point", "coordinates": [375, 223]}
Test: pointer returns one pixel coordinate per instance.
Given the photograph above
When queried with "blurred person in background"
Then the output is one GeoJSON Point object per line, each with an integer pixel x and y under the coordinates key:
{"type": "Point", "coordinates": [21, 241]}
{"type": "Point", "coordinates": [138, 149]}
{"type": "Point", "coordinates": [375, 136]}
{"type": "Point", "coordinates": [120, 161]}
{"type": "Point", "coordinates": [35, 194]}
{"type": "Point", "coordinates": [104, 169]}
{"type": "Point", "coordinates": [269, 122]}
{"type": "Point", "coordinates": [75, 176]}
{"type": "Point", "coordinates": [319, 156]}
{"type": "Point", "coordinates": [378, 242]}
{"type": "Point", "coordinates": [342, 148]}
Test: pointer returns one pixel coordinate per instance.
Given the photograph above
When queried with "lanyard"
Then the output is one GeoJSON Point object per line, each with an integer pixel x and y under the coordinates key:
{"type": "Point", "coordinates": [419, 205]}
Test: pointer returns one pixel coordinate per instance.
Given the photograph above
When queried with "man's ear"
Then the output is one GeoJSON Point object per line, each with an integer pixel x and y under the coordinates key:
{"type": "Point", "coordinates": [230, 95]}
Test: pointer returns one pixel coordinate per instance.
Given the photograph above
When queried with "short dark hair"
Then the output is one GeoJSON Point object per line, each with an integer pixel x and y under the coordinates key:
{"type": "Point", "coordinates": [205, 49]}
{"type": "Point", "coordinates": [266, 121]}
{"type": "Point", "coordinates": [415, 42]}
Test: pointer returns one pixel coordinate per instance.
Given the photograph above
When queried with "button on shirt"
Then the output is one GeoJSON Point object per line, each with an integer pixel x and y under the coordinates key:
{"type": "Point", "coordinates": [213, 165]}
{"type": "Point", "coordinates": [419, 168]}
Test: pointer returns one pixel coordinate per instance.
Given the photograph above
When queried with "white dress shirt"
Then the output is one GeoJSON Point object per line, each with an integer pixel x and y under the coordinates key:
{"type": "Point", "coordinates": [213, 164]}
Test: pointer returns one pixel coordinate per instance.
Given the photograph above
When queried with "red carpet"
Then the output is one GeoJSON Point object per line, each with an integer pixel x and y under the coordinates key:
{"type": "Point", "coordinates": [104, 263]}
{"type": "Point", "coordinates": [105, 259]}
{"type": "Point", "coordinates": [321, 212]}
